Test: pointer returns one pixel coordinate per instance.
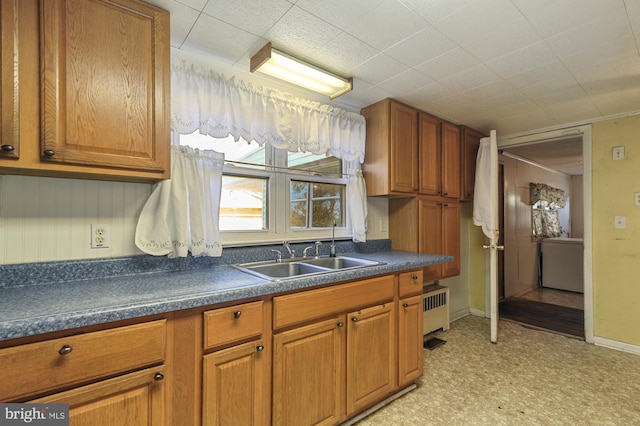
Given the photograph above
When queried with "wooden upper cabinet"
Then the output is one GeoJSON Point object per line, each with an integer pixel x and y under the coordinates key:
{"type": "Point", "coordinates": [9, 88]}
{"type": "Point", "coordinates": [450, 160]}
{"type": "Point", "coordinates": [391, 162]}
{"type": "Point", "coordinates": [105, 84]}
{"type": "Point", "coordinates": [429, 164]}
{"type": "Point", "coordinates": [470, 143]}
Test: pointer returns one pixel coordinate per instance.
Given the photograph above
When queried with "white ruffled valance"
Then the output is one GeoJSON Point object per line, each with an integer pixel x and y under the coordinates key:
{"type": "Point", "coordinates": [202, 99]}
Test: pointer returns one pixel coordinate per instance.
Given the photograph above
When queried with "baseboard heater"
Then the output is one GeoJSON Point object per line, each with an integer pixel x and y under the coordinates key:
{"type": "Point", "coordinates": [435, 307]}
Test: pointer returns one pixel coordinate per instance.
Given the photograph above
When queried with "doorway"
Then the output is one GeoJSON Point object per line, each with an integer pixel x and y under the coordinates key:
{"type": "Point", "coordinates": [556, 310]}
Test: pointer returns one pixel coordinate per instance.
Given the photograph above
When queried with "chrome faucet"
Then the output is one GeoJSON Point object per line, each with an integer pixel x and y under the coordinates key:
{"type": "Point", "coordinates": [332, 248]}
{"type": "Point", "coordinates": [278, 255]}
{"type": "Point", "coordinates": [317, 245]}
{"type": "Point", "coordinates": [292, 252]}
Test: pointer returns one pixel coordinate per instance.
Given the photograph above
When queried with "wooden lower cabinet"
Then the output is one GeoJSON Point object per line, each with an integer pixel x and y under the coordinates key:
{"type": "Point", "coordinates": [307, 374]}
{"type": "Point", "coordinates": [233, 393]}
{"type": "Point", "coordinates": [135, 399]}
{"type": "Point", "coordinates": [410, 349]}
{"type": "Point", "coordinates": [371, 356]}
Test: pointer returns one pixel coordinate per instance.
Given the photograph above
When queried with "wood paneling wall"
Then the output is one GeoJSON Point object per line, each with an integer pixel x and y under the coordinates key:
{"type": "Point", "coordinates": [49, 219]}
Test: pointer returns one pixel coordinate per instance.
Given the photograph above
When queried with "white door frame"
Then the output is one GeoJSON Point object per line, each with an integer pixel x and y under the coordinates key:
{"type": "Point", "coordinates": [564, 133]}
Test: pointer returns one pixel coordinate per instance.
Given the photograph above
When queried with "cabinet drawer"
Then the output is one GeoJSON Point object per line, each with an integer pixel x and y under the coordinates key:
{"type": "Point", "coordinates": [234, 323]}
{"type": "Point", "coordinates": [410, 283]}
{"type": "Point", "coordinates": [296, 308]}
{"type": "Point", "coordinates": [37, 368]}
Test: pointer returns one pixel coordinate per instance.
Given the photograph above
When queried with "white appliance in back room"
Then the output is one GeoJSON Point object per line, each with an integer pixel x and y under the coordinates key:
{"type": "Point", "coordinates": [562, 264]}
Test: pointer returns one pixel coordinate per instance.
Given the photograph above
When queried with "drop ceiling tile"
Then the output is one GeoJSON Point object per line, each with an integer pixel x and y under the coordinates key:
{"type": "Point", "coordinates": [619, 102]}
{"type": "Point", "coordinates": [504, 39]}
{"type": "Point", "coordinates": [182, 19]}
{"type": "Point", "coordinates": [572, 112]}
{"type": "Point", "coordinates": [569, 95]}
{"type": "Point", "coordinates": [559, 84]}
{"type": "Point", "coordinates": [470, 78]}
{"type": "Point", "coordinates": [378, 69]}
{"type": "Point", "coordinates": [420, 47]}
{"type": "Point", "coordinates": [479, 17]}
{"type": "Point", "coordinates": [608, 29]}
{"type": "Point", "coordinates": [232, 43]}
{"type": "Point", "coordinates": [340, 13]}
{"type": "Point", "coordinates": [522, 60]}
{"type": "Point", "coordinates": [344, 53]}
{"type": "Point", "coordinates": [301, 34]}
{"type": "Point", "coordinates": [447, 64]}
{"type": "Point", "coordinates": [540, 74]}
{"type": "Point", "coordinates": [435, 10]}
{"type": "Point", "coordinates": [253, 17]}
{"type": "Point", "coordinates": [386, 25]}
{"type": "Point", "coordinates": [495, 91]}
{"type": "Point", "coordinates": [513, 107]}
{"type": "Point", "coordinates": [605, 61]}
{"type": "Point", "coordinates": [531, 120]}
{"type": "Point", "coordinates": [405, 82]}
{"type": "Point", "coordinates": [425, 94]}
{"type": "Point", "coordinates": [194, 4]}
{"type": "Point", "coordinates": [559, 16]}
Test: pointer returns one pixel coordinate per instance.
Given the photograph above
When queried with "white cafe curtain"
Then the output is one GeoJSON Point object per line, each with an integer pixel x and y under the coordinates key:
{"type": "Point", "coordinates": [205, 100]}
{"type": "Point", "coordinates": [181, 215]}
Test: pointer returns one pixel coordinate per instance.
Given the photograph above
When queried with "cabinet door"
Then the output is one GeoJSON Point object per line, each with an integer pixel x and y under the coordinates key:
{"type": "Point", "coordinates": [9, 88]}
{"type": "Point", "coordinates": [410, 349]}
{"type": "Point", "coordinates": [450, 160]}
{"type": "Point", "coordinates": [429, 147]}
{"type": "Point", "coordinates": [451, 237]}
{"type": "Point", "coordinates": [233, 392]}
{"type": "Point", "coordinates": [404, 148]}
{"type": "Point", "coordinates": [135, 399]}
{"type": "Point", "coordinates": [469, 150]}
{"type": "Point", "coordinates": [371, 364]}
{"type": "Point", "coordinates": [307, 374]}
{"type": "Point", "coordinates": [430, 233]}
{"type": "Point", "coordinates": [105, 103]}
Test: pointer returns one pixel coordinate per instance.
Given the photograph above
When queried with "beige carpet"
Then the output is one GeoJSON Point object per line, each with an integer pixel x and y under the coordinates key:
{"type": "Point", "coordinates": [530, 377]}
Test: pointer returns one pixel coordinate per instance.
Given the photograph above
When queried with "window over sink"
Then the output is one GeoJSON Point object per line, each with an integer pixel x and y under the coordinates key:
{"type": "Point", "coordinates": [271, 194]}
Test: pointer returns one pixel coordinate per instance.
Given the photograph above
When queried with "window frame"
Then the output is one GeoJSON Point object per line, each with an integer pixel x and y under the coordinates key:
{"type": "Point", "coordinates": [279, 203]}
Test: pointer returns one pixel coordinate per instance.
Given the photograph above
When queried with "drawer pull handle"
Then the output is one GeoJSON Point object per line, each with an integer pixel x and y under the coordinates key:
{"type": "Point", "coordinates": [414, 277]}
{"type": "Point", "coordinates": [49, 153]}
{"type": "Point", "coordinates": [65, 350]}
{"type": "Point", "coordinates": [158, 376]}
{"type": "Point", "coordinates": [354, 319]}
{"type": "Point", "coordinates": [406, 305]}
{"type": "Point", "coordinates": [340, 324]}
{"type": "Point", "coordinates": [260, 348]}
{"type": "Point", "coordinates": [7, 148]}
{"type": "Point", "coordinates": [237, 314]}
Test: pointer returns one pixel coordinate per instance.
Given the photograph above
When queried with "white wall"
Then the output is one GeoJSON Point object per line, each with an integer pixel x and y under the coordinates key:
{"type": "Point", "coordinates": [577, 207]}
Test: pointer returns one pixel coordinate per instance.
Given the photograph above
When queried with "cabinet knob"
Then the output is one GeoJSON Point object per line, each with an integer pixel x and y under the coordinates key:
{"type": "Point", "coordinates": [414, 277]}
{"type": "Point", "coordinates": [158, 376]}
{"type": "Point", "coordinates": [354, 319]}
{"type": "Point", "coordinates": [406, 305]}
{"type": "Point", "coordinates": [340, 324]}
{"type": "Point", "coordinates": [7, 148]}
{"type": "Point", "coordinates": [65, 350]}
{"type": "Point", "coordinates": [445, 193]}
{"type": "Point", "coordinates": [237, 314]}
{"type": "Point", "coordinates": [48, 153]}
{"type": "Point", "coordinates": [260, 348]}
{"type": "Point", "coordinates": [445, 205]}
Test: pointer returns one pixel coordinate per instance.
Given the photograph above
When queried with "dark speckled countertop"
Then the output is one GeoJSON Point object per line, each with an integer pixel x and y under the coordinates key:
{"type": "Point", "coordinates": [46, 297]}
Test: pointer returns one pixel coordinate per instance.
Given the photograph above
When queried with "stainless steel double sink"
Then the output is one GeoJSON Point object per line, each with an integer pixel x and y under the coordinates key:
{"type": "Point", "coordinates": [299, 267]}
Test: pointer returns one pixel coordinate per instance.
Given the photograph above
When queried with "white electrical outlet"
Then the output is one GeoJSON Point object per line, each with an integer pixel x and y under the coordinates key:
{"type": "Point", "coordinates": [99, 236]}
{"type": "Point", "coordinates": [620, 222]}
{"type": "Point", "coordinates": [384, 225]}
{"type": "Point", "coordinates": [618, 152]}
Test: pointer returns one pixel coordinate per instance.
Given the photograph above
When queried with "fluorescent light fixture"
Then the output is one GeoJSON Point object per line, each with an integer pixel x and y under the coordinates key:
{"type": "Point", "coordinates": [283, 66]}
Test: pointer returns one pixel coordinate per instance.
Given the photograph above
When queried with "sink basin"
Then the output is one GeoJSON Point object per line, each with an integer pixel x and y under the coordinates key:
{"type": "Point", "coordinates": [341, 262]}
{"type": "Point", "coordinates": [295, 268]}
